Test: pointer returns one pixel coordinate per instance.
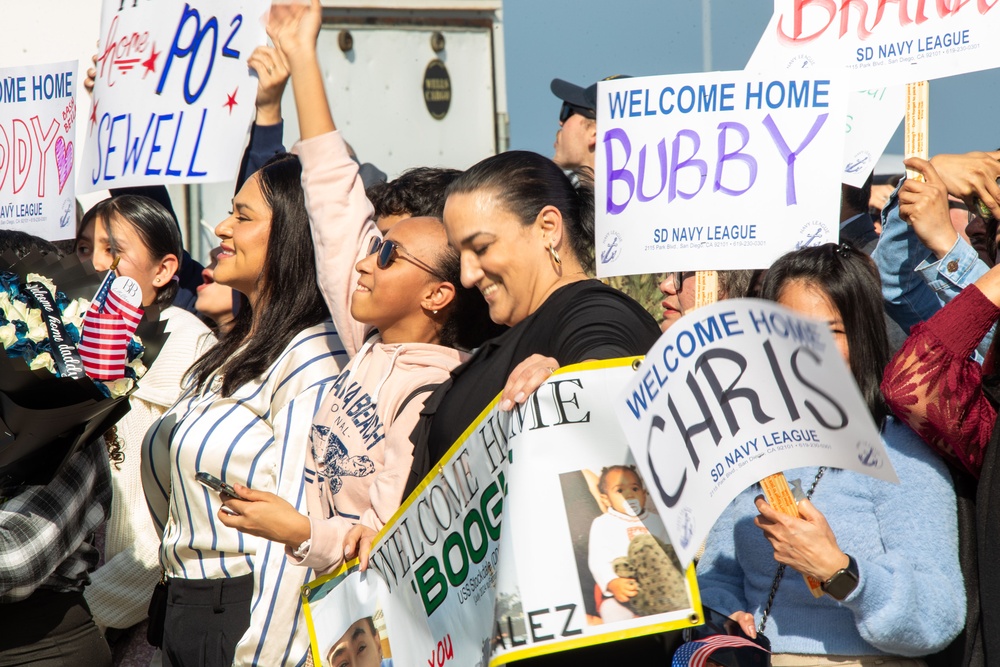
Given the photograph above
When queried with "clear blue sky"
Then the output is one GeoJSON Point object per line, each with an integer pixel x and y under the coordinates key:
{"type": "Point", "coordinates": [585, 40]}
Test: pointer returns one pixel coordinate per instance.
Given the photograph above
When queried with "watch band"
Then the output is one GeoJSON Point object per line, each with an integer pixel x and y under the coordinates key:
{"type": "Point", "coordinates": [843, 582]}
{"type": "Point", "coordinates": [303, 549]}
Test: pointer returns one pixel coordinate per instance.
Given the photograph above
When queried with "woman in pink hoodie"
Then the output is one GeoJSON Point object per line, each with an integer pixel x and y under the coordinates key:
{"type": "Point", "coordinates": [401, 312]}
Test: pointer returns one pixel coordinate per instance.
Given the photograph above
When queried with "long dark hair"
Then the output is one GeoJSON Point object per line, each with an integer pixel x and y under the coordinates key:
{"type": "Point", "coordinates": [851, 281]}
{"type": "Point", "coordinates": [525, 183]}
{"type": "Point", "coordinates": [154, 225]}
{"type": "Point", "coordinates": [290, 300]}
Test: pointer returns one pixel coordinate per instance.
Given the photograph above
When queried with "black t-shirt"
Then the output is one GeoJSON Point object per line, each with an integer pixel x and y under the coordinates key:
{"type": "Point", "coordinates": [583, 320]}
{"type": "Point", "coordinates": [580, 321]}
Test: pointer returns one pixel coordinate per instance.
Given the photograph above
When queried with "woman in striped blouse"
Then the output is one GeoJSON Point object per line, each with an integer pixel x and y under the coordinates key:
{"type": "Point", "coordinates": [244, 418]}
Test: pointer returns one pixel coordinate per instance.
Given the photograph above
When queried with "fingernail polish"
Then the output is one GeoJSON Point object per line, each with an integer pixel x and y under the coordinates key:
{"type": "Point", "coordinates": [506, 404]}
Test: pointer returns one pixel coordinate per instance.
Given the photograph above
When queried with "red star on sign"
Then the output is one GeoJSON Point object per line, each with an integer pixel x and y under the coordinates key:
{"type": "Point", "coordinates": [231, 100]}
{"type": "Point", "coordinates": [150, 64]}
{"type": "Point", "coordinates": [93, 116]}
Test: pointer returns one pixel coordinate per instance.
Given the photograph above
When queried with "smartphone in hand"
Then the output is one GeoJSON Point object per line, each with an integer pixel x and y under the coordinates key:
{"type": "Point", "coordinates": [216, 484]}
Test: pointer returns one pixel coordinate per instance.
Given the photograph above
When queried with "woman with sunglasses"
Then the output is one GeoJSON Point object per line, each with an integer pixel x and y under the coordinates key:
{"type": "Point", "coordinates": [401, 314]}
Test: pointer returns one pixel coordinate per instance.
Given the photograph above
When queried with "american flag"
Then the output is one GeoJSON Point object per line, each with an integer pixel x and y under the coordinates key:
{"type": "Point", "coordinates": [104, 345]}
{"type": "Point", "coordinates": [130, 314]}
{"type": "Point", "coordinates": [108, 327]}
{"type": "Point", "coordinates": [697, 653]}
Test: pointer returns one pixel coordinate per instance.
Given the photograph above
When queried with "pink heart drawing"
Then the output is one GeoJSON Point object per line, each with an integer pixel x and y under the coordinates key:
{"type": "Point", "coordinates": [64, 161]}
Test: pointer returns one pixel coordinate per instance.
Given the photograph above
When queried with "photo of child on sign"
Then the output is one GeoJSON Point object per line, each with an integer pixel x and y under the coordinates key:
{"type": "Point", "coordinates": [626, 564]}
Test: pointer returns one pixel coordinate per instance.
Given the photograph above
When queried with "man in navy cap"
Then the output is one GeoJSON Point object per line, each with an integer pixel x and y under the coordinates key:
{"type": "Point", "coordinates": [575, 142]}
{"type": "Point", "coordinates": [577, 133]}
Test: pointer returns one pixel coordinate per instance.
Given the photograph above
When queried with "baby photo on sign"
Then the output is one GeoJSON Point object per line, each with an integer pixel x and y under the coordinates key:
{"type": "Point", "coordinates": [626, 565]}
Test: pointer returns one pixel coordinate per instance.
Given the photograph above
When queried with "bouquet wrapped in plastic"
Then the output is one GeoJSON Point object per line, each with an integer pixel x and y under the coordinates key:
{"type": "Point", "coordinates": [68, 364]}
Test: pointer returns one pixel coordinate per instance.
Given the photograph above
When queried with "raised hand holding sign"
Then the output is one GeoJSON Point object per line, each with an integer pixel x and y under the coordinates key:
{"type": "Point", "coordinates": [173, 96]}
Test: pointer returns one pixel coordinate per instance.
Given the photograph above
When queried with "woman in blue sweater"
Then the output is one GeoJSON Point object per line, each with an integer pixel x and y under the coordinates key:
{"type": "Point", "coordinates": [887, 554]}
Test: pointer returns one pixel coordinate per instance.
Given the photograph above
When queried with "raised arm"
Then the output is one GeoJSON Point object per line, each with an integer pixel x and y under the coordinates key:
{"type": "Point", "coordinates": [340, 215]}
{"type": "Point", "coordinates": [266, 134]}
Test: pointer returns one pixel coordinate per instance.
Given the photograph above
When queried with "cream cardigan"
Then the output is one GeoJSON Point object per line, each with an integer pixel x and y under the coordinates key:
{"type": "Point", "coordinates": [119, 591]}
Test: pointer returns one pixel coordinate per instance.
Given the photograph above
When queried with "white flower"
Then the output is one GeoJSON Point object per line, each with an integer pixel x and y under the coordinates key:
{"type": "Point", "coordinates": [43, 360]}
{"type": "Point", "coordinates": [38, 278]}
{"type": "Point", "coordinates": [8, 335]}
{"type": "Point", "coordinates": [17, 311]}
{"type": "Point", "coordinates": [11, 309]}
{"type": "Point", "coordinates": [75, 311]}
{"type": "Point", "coordinates": [36, 327]}
{"type": "Point", "coordinates": [119, 387]}
{"type": "Point", "coordinates": [137, 365]}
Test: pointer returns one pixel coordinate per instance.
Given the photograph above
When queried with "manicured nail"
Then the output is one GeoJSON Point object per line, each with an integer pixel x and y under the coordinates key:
{"type": "Point", "coordinates": [519, 398]}
{"type": "Point", "coordinates": [506, 405]}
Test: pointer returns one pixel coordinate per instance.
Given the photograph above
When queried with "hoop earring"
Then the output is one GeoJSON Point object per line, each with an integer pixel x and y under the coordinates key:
{"type": "Point", "coordinates": [554, 254]}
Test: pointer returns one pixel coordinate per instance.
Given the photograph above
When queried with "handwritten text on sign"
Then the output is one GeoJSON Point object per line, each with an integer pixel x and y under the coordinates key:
{"type": "Point", "coordinates": [882, 42]}
{"type": "Point", "coordinates": [732, 393]}
{"type": "Point", "coordinates": [682, 160]}
{"type": "Point", "coordinates": [173, 97]}
{"type": "Point", "coordinates": [37, 123]}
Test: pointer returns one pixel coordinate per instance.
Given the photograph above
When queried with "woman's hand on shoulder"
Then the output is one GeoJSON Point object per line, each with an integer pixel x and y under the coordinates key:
{"type": "Point", "coordinates": [358, 543]}
{"type": "Point", "coordinates": [265, 515]}
{"type": "Point", "coordinates": [526, 377]}
{"type": "Point", "coordinates": [805, 543]}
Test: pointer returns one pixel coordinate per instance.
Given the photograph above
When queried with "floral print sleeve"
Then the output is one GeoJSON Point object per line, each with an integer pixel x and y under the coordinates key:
{"type": "Point", "coordinates": [935, 386]}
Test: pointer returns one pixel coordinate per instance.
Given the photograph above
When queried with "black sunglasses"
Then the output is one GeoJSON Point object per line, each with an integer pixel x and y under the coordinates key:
{"type": "Point", "coordinates": [387, 252]}
{"type": "Point", "coordinates": [570, 109]}
{"type": "Point", "coordinates": [678, 279]}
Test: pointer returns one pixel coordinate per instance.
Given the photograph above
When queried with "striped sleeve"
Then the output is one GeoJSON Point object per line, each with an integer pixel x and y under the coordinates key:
{"type": "Point", "coordinates": [277, 633]}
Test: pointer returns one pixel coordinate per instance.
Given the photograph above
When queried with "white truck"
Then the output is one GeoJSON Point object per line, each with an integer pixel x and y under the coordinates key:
{"type": "Point", "coordinates": [411, 83]}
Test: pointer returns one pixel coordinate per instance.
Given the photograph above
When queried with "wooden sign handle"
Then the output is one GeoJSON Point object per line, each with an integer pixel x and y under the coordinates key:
{"type": "Point", "coordinates": [780, 497]}
{"type": "Point", "coordinates": [706, 288]}
{"type": "Point", "coordinates": [915, 133]}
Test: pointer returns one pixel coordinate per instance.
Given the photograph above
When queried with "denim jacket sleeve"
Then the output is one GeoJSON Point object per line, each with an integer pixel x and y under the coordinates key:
{"type": "Point", "coordinates": [908, 299]}
{"type": "Point", "coordinates": [951, 274]}
{"type": "Point", "coordinates": [915, 285]}
{"type": "Point", "coordinates": [954, 272]}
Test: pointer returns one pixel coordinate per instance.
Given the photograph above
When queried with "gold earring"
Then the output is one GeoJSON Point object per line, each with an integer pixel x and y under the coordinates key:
{"type": "Point", "coordinates": [555, 255]}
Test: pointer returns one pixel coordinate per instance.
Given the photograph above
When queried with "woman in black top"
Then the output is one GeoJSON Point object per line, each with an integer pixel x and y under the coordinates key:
{"type": "Point", "coordinates": [525, 236]}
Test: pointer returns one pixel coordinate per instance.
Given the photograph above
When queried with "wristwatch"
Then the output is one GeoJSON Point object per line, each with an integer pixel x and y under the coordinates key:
{"type": "Point", "coordinates": [843, 582]}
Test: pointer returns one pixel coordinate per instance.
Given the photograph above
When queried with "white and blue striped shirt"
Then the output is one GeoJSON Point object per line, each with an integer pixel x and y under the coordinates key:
{"type": "Point", "coordinates": [259, 437]}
